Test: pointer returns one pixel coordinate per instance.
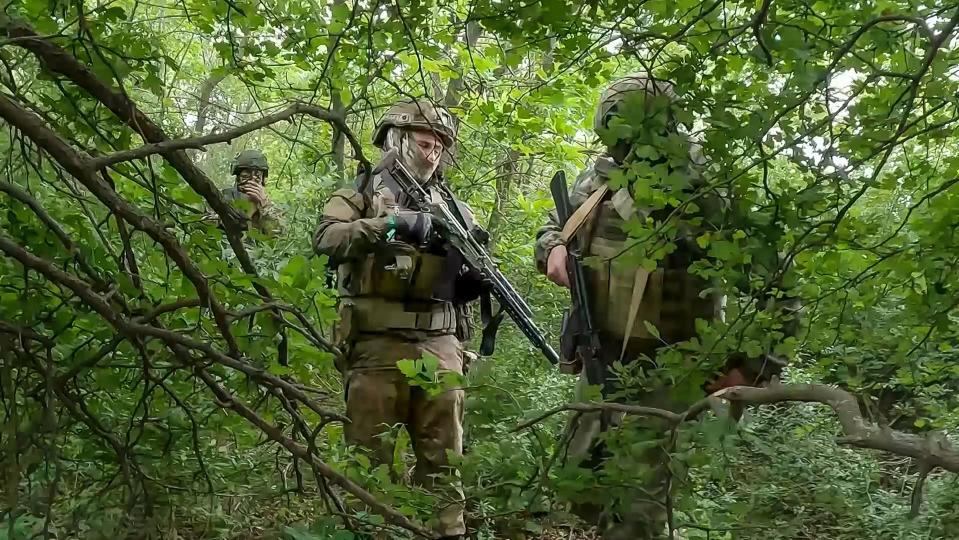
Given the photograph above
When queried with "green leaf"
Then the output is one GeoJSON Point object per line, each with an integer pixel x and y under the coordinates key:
{"type": "Point", "coordinates": [408, 368]}
{"type": "Point", "coordinates": [703, 240]}
{"type": "Point", "coordinates": [652, 329]}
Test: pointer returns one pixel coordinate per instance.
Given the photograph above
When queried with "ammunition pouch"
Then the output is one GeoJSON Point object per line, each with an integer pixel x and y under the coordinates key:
{"type": "Point", "coordinates": [464, 322]}
{"type": "Point", "coordinates": [399, 273]}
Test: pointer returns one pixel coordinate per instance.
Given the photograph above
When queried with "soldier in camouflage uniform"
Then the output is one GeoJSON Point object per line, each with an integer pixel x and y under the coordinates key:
{"type": "Point", "coordinates": [250, 170]}
{"type": "Point", "coordinates": [402, 297]}
{"type": "Point", "coordinates": [621, 293]}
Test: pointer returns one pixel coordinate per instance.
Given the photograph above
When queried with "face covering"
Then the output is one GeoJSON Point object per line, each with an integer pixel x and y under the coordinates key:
{"type": "Point", "coordinates": [410, 154]}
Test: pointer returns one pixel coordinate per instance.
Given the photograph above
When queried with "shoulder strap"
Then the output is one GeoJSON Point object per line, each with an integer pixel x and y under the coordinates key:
{"type": "Point", "coordinates": [453, 203]}
{"type": "Point", "coordinates": [364, 186]}
{"type": "Point", "coordinates": [640, 279]}
{"type": "Point", "coordinates": [579, 217]}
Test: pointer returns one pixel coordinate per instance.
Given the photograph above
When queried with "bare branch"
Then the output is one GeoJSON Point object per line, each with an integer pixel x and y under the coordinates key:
{"type": "Point", "coordinates": [226, 136]}
{"type": "Point", "coordinates": [932, 451]}
{"type": "Point", "coordinates": [936, 452]}
{"type": "Point", "coordinates": [670, 416]}
{"type": "Point", "coordinates": [73, 162]}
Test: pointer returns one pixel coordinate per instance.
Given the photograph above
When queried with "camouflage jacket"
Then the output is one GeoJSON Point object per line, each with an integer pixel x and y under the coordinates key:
{"type": "Point", "coordinates": [353, 225]}
{"type": "Point", "coordinates": [268, 219]}
{"type": "Point", "coordinates": [672, 300]}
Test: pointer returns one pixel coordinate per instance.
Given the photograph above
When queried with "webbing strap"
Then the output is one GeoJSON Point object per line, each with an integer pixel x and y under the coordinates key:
{"type": "Point", "coordinates": [640, 280]}
{"type": "Point", "coordinates": [381, 315]}
{"type": "Point", "coordinates": [579, 217]}
{"type": "Point", "coordinates": [490, 324]}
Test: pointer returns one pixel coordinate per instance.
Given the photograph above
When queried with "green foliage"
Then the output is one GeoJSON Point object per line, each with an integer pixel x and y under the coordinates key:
{"type": "Point", "coordinates": [423, 373]}
{"type": "Point", "coordinates": [830, 125]}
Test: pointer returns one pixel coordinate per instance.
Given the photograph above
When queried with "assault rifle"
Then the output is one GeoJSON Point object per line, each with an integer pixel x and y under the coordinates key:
{"type": "Point", "coordinates": [477, 259]}
{"type": "Point", "coordinates": [579, 337]}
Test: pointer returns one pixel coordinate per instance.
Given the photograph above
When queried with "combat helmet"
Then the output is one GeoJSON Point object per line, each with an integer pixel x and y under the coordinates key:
{"type": "Point", "coordinates": [417, 114]}
{"type": "Point", "coordinates": [250, 159]}
{"type": "Point", "coordinates": [617, 92]}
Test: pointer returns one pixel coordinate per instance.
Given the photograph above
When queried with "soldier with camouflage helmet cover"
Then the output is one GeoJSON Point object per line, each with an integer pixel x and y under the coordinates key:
{"type": "Point", "coordinates": [636, 118]}
{"type": "Point", "coordinates": [402, 297]}
{"type": "Point", "coordinates": [251, 170]}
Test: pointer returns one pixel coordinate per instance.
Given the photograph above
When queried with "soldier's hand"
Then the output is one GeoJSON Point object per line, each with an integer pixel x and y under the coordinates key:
{"type": "Point", "coordinates": [255, 192]}
{"type": "Point", "coordinates": [556, 266]}
{"type": "Point", "coordinates": [733, 377]}
{"type": "Point", "coordinates": [413, 227]}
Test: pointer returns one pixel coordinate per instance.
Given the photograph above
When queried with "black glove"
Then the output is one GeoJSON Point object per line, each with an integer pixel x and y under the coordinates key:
{"type": "Point", "coordinates": [412, 227]}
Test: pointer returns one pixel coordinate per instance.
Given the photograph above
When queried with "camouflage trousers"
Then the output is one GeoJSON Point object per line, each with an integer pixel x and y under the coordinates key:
{"type": "Point", "coordinates": [378, 397]}
{"type": "Point", "coordinates": [642, 461]}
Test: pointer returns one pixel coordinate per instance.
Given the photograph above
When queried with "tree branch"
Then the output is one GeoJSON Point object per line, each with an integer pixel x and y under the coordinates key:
{"type": "Point", "coordinates": [758, 22]}
{"type": "Point", "coordinates": [134, 329]}
{"type": "Point", "coordinates": [858, 431]}
{"type": "Point", "coordinates": [58, 60]}
{"type": "Point", "coordinates": [199, 142]}
{"type": "Point", "coordinates": [933, 452]}
{"type": "Point", "coordinates": [226, 400]}
{"type": "Point", "coordinates": [73, 162]}
{"type": "Point", "coordinates": [21, 195]}
{"type": "Point", "coordinates": [24, 333]}
{"type": "Point", "coordinates": [203, 100]}
{"type": "Point", "coordinates": [669, 416]}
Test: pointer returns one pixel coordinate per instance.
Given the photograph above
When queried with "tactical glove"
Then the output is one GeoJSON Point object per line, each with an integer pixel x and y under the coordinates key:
{"type": "Point", "coordinates": [411, 227]}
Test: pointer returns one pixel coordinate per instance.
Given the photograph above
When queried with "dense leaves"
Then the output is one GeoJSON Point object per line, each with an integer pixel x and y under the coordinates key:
{"type": "Point", "coordinates": [831, 124]}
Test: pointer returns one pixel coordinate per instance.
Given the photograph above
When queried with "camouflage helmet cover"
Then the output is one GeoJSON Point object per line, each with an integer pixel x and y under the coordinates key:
{"type": "Point", "coordinates": [250, 159]}
{"type": "Point", "coordinates": [417, 114]}
{"type": "Point", "coordinates": [617, 92]}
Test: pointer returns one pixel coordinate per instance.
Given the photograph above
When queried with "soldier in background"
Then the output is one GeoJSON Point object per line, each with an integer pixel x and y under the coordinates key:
{"type": "Point", "coordinates": [248, 192]}
{"type": "Point", "coordinates": [250, 170]}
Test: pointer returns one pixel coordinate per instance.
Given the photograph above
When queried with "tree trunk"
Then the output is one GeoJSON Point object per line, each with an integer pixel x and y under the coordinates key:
{"type": "Point", "coordinates": [455, 87]}
{"type": "Point", "coordinates": [504, 183]}
{"type": "Point", "coordinates": [338, 107]}
{"type": "Point", "coordinates": [203, 100]}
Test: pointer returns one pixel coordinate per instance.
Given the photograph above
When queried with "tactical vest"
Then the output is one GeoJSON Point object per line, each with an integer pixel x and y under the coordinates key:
{"type": "Point", "coordinates": [627, 297]}
{"type": "Point", "coordinates": [400, 287]}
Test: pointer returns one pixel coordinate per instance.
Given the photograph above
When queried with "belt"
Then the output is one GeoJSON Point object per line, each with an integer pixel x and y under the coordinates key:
{"type": "Point", "coordinates": [378, 315]}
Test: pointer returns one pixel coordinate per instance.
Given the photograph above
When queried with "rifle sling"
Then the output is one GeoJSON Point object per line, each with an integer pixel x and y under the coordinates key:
{"type": "Point", "coordinates": [490, 324]}
{"type": "Point", "coordinates": [582, 214]}
{"type": "Point", "coordinates": [640, 279]}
